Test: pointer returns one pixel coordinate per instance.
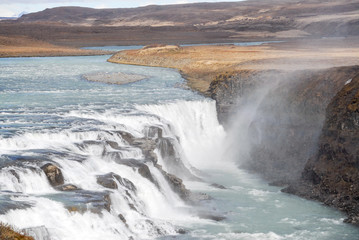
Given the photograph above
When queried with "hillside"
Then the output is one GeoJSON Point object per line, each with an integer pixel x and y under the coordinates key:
{"type": "Point", "coordinates": [190, 23]}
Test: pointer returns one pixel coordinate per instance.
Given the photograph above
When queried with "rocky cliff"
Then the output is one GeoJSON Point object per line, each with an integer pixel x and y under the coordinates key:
{"type": "Point", "coordinates": [332, 174]}
{"type": "Point", "coordinates": [289, 114]}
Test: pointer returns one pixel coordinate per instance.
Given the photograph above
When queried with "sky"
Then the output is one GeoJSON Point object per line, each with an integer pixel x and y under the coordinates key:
{"type": "Point", "coordinates": [11, 8]}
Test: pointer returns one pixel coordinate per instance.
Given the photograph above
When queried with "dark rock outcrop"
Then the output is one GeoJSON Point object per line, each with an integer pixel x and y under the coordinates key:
{"type": "Point", "coordinates": [108, 181]}
{"type": "Point", "coordinates": [175, 183]}
{"type": "Point", "coordinates": [53, 174]}
{"type": "Point", "coordinates": [67, 187]}
{"type": "Point", "coordinates": [332, 174]}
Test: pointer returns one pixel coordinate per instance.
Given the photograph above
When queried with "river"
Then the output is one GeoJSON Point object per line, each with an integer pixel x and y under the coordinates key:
{"type": "Point", "coordinates": [50, 114]}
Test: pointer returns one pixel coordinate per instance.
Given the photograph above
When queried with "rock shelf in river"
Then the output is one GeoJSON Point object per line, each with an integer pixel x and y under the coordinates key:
{"type": "Point", "coordinates": [114, 77]}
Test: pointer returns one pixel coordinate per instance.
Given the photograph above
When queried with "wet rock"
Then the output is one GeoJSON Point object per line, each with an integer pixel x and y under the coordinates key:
{"type": "Point", "coordinates": [181, 231]}
{"type": "Point", "coordinates": [211, 216]}
{"type": "Point", "coordinates": [147, 146]}
{"type": "Point", "coordinates": [114, 145]}
{"type": "Point", "coordinates": [175, 183]}
{"type": "Point", "coordinates": [219, 186]}
{"type": "Point", "coordinates": [128, 137]}
{"type": "Point", "coordinates": [14, 173]}
{"type": "Point", "coordinates": [53, 174]}
{"type": "Point", "coordinates": [108, 181]}
{"type": "Point", "coordinates": [153, 132]}
{"type": "Point", "coordinates": [178, 187]}
{"type": "Point", "coordinates": [84, 200]}
{"type": "Point", "coordinates": [132, 207]}
{"type": "Point", "coordinates": [140, 166]}
{"type": "Point", "coordinates": [67, 187]}
{"type": "Point", "coordinates": [145, 172]}
{"type": "Point", "coordinates": [122, 218]}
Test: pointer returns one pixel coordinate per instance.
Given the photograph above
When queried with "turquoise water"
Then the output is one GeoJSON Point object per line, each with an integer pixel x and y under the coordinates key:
{"type": "Point", "coordinates": [32, 89]}
{"type": "Point", "coordinates": [47, 110]}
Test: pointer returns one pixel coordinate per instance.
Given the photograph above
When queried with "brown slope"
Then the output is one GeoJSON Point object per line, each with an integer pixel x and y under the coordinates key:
{"type": "Point", "coordinates": [188, 23]}
{"type": "Point", "coordinates": [21, 46]}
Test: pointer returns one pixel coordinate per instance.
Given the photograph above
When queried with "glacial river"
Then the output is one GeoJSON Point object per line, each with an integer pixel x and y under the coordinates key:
{"type": "Point", "coordinates": [50, 114]}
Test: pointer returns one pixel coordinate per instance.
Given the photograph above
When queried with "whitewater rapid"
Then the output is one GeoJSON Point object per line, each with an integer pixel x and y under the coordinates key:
{"type": "Point", "coordinates": [149, 211]}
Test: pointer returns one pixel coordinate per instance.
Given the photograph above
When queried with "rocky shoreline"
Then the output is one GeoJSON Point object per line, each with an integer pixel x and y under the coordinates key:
{"type": "Point", "coordinates": [295, 103]}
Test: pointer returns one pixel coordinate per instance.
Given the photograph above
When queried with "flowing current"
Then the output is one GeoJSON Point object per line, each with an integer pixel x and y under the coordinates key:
{"type": "Point", "coordinates": [121, 150]}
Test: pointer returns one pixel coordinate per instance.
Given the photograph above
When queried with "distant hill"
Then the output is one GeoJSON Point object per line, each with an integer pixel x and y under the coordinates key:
{"type": "Point", "coordinates": [279, 12]}
{"type": "Point", "coordinates": [202, 22]}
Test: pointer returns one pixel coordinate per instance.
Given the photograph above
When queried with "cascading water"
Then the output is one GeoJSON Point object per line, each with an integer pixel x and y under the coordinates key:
{"type": "Point", "coordinates": [86, 160]}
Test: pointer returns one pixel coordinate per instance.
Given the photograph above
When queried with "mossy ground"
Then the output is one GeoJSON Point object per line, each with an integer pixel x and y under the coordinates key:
{"type": "Point", "coordinates": [9, 233]}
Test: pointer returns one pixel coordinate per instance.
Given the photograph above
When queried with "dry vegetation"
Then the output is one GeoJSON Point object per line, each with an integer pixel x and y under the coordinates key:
{"type": "Point", "coordinates": [9, 233]}
{"type": "Point", "coordinates": [200, 64]}
{"type": "Point", "coordinates": [21, 46]}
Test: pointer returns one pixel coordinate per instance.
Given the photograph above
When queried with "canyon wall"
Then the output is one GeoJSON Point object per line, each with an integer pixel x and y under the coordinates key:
{"type": "Point", "coordinates": [283, 133]}
{"type": "Point", "coordinates": [331, 175]}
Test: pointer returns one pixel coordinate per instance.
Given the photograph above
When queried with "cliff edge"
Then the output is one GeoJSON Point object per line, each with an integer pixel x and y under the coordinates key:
{"type": "Point", "coordinates": [332, 174]}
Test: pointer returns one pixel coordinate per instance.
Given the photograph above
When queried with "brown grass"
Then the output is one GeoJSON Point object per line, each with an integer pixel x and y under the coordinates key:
{"type": "Point", "coordinates": [200, 64]}
{"type": "Point", "coordinates": [9, 233]}
{"type": "Point", "coordinates": [26, 47]}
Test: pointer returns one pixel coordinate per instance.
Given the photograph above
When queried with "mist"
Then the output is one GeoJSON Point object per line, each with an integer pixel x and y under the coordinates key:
{"type": "Point", "coordinates": [277, 117]}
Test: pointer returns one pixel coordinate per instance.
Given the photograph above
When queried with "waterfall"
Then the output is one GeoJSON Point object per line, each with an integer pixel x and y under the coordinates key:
{"type": "Point", "coordinates": [196, 126]}
{"type": "Point", "coordinates": [114, 171]}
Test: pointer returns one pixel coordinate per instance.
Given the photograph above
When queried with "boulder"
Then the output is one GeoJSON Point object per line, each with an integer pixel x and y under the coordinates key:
{"type": "Point", "coordinates": [53, 174]}
{"type": "Point", "coordinates": [108, 181]}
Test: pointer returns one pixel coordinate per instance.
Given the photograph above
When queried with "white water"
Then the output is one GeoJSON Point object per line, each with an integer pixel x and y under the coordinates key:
{"type": "Point", "coordinates": [49, 114]}
{"type": "Point", "coordinates": [161, 206]}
